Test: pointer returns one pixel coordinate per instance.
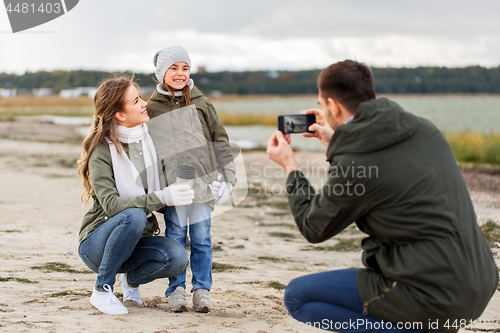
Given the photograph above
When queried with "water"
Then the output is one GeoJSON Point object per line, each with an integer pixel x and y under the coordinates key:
{"type": "Point", "coordinates": [449, 112]}
{"type": "Point", "coordinates": [248, 137]}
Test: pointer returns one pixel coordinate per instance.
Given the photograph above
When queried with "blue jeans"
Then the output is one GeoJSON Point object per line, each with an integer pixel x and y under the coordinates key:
{"type": "Point", "coordinates": [117, 247]}
{"type": "Point", "coordinates": [200, 243]}
{"type": "Point", "coordinates": [331, 301]}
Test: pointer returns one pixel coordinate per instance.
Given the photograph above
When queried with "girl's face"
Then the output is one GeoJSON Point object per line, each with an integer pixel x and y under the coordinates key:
{"type": "Point", "coordinates": [134, 109]}
{"type": "Point", "coordinates": [177, 76]}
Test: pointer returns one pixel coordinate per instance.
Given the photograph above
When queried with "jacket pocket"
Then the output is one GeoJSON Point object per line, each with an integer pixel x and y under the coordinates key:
{"type": "Point", "coordinates": [210, 175]}
{"type": "Point", "coordinates": [371, 246]}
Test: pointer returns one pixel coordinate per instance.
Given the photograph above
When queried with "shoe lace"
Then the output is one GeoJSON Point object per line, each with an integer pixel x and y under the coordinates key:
{"type": "Point", "coordinates": [111, 297]}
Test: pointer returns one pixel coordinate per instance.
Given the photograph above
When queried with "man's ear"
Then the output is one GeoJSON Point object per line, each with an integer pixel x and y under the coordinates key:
{"type": "Point", "coordinates": [333, 107]}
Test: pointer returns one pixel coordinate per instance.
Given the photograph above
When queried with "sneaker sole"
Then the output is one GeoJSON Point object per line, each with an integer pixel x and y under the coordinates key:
{"type": "Point", "coordinates": [181, 309]}
{"type": "Point", "coordinates": [133, 300]}
{"type": "Point", "coordinates": [203, 310]}
{"type": "Point", "coordinates": [120, 312]}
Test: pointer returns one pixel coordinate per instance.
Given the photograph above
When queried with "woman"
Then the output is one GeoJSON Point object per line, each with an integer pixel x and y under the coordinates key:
{"type": "Point", "coordinates": [119, 171]}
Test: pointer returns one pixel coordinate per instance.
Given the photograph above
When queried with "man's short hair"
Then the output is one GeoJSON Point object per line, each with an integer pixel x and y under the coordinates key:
{"type": "Point", "coordinates": [348, 82]}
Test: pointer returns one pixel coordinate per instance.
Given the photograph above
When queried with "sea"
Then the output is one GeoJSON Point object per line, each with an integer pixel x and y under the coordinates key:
{"type": "Point", "coordinates": [477, 113]}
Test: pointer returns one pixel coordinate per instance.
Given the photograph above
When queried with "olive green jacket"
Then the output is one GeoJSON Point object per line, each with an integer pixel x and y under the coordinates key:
{"type": "Point", "coordinates": [193, 136]}
{"type": "Point", "coordinates": [395, 175]}
{"type": "Point", "coordinates": [107, 202]}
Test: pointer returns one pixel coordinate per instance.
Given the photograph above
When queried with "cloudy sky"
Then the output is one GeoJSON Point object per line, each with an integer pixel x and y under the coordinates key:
{"type": "Point", "coordinates": [258, 34]}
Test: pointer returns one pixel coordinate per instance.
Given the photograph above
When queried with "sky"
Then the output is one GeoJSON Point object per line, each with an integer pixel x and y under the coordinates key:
{"type": "Point", "coordinates": [258, 35]}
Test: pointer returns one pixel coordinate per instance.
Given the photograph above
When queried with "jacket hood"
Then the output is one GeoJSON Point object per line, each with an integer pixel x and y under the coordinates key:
{"type": "Point", "coordinates": [378, 123]}
{"type": "Point", "coordinates": [195, 93]}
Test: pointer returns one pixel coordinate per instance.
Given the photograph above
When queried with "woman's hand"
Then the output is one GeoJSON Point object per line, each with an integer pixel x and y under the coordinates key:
{"type": "Point", "coordinates": [177, 195]}
{"type": "Point", "coordinates": [321, 128]}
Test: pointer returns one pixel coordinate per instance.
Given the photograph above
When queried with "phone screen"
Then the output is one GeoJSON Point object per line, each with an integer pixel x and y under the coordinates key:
{"type": "Point", "coordinates": [295, 123]}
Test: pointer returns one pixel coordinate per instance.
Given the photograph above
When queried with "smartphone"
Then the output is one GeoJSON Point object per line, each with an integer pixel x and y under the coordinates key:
{"type": "Point", "coordinates": [295, 123]}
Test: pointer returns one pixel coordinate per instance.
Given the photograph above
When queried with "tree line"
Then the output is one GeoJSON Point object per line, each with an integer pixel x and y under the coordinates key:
{"type": "Point", "coordinates": [387, 80]}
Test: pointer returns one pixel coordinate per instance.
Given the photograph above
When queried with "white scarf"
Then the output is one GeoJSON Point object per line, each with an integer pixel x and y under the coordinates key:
{"type": "Point", "coordinates": [178, 93]}
{"type": "Point", "coordinates": [127, 178]}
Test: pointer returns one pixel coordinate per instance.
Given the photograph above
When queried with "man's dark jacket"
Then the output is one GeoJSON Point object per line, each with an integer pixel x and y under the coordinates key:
{"type": "Point", "coordinates": [394, 174]}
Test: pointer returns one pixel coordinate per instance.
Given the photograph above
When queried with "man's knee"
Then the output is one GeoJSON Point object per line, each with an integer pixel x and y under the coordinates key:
{"type": "Point", "coordinates": [291, 298]}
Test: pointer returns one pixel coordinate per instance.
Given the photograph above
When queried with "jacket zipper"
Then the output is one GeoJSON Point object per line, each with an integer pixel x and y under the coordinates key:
{"type": "Point", "coordinates": [365, 305]}
{"type": "Point", "coordinates": [164, 171]}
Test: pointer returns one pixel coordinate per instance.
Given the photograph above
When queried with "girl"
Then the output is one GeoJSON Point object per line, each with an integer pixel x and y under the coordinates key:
{"type": "Point", "coordinates": [119, 171]}
{"type": "Point", "coordinates": [188, 132]}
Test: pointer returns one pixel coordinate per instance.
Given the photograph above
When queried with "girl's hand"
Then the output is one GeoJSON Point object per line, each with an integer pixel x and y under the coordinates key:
{"type": "Point", "coordinates": [220, 190]}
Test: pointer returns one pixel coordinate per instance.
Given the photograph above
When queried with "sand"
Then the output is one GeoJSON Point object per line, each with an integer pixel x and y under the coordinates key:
{"type": "Point", "coordinates": [40, 217]}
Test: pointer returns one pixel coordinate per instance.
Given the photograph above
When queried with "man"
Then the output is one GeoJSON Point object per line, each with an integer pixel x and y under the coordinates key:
{"type": "Point", "coordinates": [427, 264]}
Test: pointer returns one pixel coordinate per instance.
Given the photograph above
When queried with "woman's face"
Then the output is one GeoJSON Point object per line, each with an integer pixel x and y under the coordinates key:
{"type": "Point", "coordinates": [134, 109]}
{"type": "Point", "coordinates": [177, 75]}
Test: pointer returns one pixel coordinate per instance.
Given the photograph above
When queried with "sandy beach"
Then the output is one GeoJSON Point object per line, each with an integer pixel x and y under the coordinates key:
{"type": "Point", "coordinates": [45, 287]}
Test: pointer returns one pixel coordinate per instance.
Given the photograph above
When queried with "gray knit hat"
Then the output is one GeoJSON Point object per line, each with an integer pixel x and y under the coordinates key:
{"type": "Point", "coordinates": [165, 58]}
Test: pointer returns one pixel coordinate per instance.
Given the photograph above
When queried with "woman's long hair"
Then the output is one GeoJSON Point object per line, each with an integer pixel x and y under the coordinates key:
{"type": "Point", "coordinates": [108, 100]}
{"type": "Point", "coordinates": [186, 93]}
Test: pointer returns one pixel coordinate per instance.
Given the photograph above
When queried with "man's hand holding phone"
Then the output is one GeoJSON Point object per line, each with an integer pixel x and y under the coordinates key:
{"type": "Point", "coordinates": [320, 129]}
{"type": "Point", "coordinates": [279, 151]}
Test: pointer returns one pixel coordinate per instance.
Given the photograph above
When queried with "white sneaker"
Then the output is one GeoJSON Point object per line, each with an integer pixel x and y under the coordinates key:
{"type": "Point", "coordinates": [129, 293]}
{"type": "Point", "coordinates": [201, 301]}
{"type": "Point", "coordinates": [106, 301]}
{"type": "Point", "coordinates": [177, 300]}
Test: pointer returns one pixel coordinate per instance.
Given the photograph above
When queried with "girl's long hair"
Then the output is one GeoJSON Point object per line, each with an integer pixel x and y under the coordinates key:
{"type": "Point", "coordinates": [186, 93]}
{"type": "Point", "coordinates": [108, 100]}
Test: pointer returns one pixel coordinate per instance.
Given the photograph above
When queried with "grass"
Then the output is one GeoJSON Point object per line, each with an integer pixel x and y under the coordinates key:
{"type": "Point", "coordinates": [20, 280]}
{"type": "Point", "coordinates": [12, 113]}
{"type": "Point", "coordinates": [270, 284]}
{"type": "Point", "coordinates": [491, 232]}
{"type": "Point", "coordinates": [276, 285]}
{"type": "Point", "coordinates": [248, 119]}
{"type": "Point", "coordinates": [85, 293]}
{"type": "Point", "coordinates": [282, 235]}
{"type": "Point", "coordinates": [60, 267]}
{"type": "Point", "coordinates": [251, 282]}
{"type": "Point", "coordinates": [218, 267]}
{"type": "Point", "coordinates": [31, 324]}
{"type": "Point", "coordinates": [343, 245]}
{"type": "Point", "coordinates": [286, 213]}
{"type": "Point", "coordinates": [286, 225]}
{"type": "Point", "coordinates": [45, 101]}
{"type": "Point", "coordinates": [274, 259]}
{"type": "Point", "coordinates": [71, 293]}
{"type": "Point", "coordinates": [474, 147]}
